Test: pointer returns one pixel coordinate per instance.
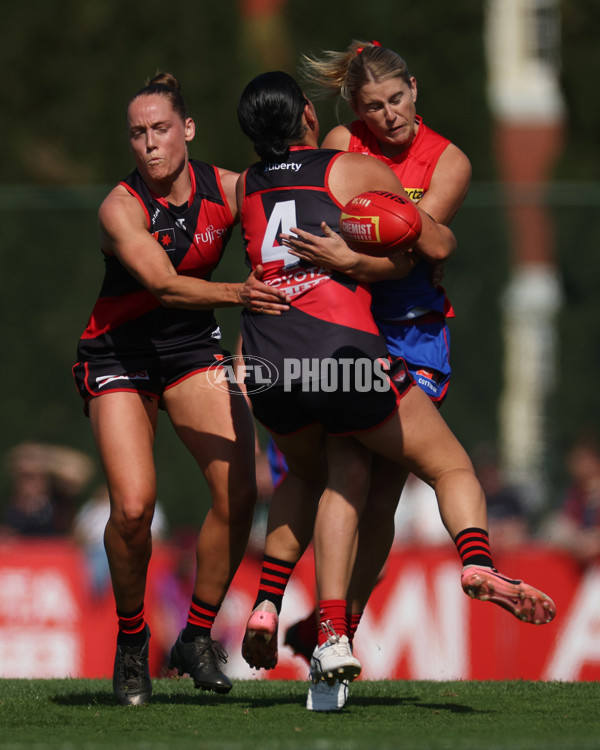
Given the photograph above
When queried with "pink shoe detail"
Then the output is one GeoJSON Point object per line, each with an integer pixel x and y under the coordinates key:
{"type": "Point", "coordinates": [517, 597]}
{"type": "Point", "coordinates": [259, 647]}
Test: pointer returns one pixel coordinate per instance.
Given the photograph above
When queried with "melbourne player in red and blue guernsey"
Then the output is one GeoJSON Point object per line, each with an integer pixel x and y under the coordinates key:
{"type": "Point", "coordinates": [291, 189]}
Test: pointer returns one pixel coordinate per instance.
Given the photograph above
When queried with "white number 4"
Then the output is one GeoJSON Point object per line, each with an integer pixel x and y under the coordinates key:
{"type": "Point", "coordinates": [282, 219]}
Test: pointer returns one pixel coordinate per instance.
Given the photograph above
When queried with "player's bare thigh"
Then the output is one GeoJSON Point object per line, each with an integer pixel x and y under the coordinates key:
{"type": "Point", "coordinates": [418, 437]}
{"type": "Point", "coordinates": [124, 426]}
{"type": "Point", "coordinates": [215, 424]}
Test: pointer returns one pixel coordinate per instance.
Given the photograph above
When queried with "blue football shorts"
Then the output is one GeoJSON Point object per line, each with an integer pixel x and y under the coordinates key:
{"type": "Point", "coordinates": [425, 347]}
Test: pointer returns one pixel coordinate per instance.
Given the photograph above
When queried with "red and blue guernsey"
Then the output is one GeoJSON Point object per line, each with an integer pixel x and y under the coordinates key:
{"type": "Point", "coordinates": [413, 296]}
{"type": "Point", "coordinates": [127, 319]}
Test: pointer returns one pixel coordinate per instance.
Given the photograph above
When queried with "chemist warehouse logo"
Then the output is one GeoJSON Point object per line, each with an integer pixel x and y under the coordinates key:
{"type": "Point", "coordinates": [310, 374]}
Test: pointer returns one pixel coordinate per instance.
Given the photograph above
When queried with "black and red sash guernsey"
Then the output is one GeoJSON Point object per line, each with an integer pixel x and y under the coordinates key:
{"type": "Point", "coordinates": [328, 311]}
{"type": "Point", "coordinates": [127, 319]}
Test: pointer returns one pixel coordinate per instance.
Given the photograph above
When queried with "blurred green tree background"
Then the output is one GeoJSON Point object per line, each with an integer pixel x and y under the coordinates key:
{"type": "Point", "coordinates": [69, 67]}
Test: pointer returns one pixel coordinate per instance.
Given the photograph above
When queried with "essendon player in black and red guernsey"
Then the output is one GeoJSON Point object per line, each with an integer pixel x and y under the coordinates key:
{"type": "Point", "coordinates": [152, 340]}
{"type": "Point", "coordinates": [128, 319]}
{"type": "Point", "coordinates": [326, 307]}
{"type": "Point", "coordinates": [298, 190]}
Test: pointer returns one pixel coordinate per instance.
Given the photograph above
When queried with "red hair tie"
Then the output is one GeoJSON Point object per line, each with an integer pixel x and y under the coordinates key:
{"type": "Point", "coordinates": [373, 44]}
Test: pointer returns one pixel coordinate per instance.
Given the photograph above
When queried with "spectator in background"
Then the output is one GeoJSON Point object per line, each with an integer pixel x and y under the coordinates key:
{"type": "Point", "coordinates": [45, 479]}
{"type": "Point", "coordinates": [575, 527]}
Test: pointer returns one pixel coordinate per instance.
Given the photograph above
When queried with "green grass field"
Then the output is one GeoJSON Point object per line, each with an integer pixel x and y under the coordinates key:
{"type": "Point", "coordinates": [270, 715]}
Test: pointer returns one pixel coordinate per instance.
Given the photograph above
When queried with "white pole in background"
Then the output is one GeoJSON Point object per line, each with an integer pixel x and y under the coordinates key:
{"type": "Point", "coordinates": [522, 44]}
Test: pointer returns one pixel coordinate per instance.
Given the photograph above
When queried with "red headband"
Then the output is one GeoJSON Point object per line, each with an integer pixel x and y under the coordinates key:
{"type": "Point", "coordinates": [373, 44]}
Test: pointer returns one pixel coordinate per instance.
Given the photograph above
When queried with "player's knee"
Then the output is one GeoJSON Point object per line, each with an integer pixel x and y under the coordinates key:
{"type": "Point", "coordinates": [132, 518]}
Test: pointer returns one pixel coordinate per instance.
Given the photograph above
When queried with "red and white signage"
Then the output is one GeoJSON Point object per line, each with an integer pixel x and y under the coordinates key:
{"type": "Point", "coordinates": [419, 624]}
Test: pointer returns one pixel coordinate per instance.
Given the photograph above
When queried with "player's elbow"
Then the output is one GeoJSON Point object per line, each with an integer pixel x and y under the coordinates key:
{"type": "Point", "coordinates": [167, 300]}
{"type": "Point", "coordinates": [438, 245]}
{"type": "Point", "coordinates": [165, 294]}
{"type": "Point", "coordinates": [446, 247]}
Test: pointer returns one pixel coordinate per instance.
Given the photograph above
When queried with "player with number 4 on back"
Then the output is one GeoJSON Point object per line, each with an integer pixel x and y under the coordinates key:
{"type": "Point", "coordinates": [321, 416]}
{"type": "Point", "coordinates": [410, 311]}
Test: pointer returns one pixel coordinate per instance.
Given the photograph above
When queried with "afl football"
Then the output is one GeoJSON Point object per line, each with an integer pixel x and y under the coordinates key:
{"type": "Point", "coordinates": [380, 223]}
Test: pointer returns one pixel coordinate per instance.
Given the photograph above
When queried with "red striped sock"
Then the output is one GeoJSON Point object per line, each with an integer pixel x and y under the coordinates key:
{"type": "Point", "coordinates": [473, 546]}
{"type": "Point", "coordinates": [333, 612]}
{"type": "Point", "coordinates": [131, 626]}
{"type": "Point", "coordinates": [201, 617]}
{"type": "Point", "coordinates": [274, 577]}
